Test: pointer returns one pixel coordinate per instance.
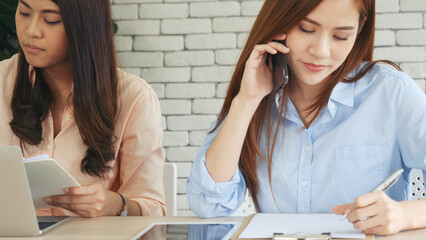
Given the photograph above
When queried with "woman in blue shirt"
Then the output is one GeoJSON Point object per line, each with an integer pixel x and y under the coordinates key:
{"type": "Point", "coordinates": [322, 141]}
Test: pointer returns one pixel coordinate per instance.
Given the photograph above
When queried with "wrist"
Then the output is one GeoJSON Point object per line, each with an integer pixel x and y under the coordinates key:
{"type": "Point", "coordinates": [123, 211]}
{"type": "Point", "coordinates": [114, 205]}
{"type": "Point", "coordinates": [412, 211]}
{"type": "Point", "coordinates": [246, 103]}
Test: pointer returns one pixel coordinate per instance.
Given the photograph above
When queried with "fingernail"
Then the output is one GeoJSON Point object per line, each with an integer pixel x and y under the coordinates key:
{"type": "Point", "coordinates": [347, 211]}
{"type": "Point", "coordinates": [66, 190]}
{"type": "Point", "coordinates": [48, 199]}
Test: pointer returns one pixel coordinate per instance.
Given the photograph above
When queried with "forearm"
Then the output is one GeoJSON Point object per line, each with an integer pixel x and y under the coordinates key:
{"type": "Point", "coordinates": [117, 204]}
{"type": "Point", "coordinates": [415, 213]}
{"type": "Point", "coordinates": [223, 155]}
{"type": "Point", "coordinates": [133, 208]}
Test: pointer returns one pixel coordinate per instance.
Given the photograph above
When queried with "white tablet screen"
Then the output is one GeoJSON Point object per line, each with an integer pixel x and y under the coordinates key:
{"type": "Point", "coordinates": [189, 231]}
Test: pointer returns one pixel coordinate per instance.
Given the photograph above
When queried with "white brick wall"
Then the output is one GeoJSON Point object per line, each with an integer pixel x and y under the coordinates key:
{"type": "Point", "coordinates": [187, 49]}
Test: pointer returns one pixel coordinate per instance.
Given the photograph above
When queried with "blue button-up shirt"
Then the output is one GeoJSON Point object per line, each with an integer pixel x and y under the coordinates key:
{"type": "Point", "coordinates": [368, 129]}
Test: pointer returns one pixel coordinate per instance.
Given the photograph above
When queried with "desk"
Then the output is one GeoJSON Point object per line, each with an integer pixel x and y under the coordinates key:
{"type": "Point", "coordinates": [120, 228]}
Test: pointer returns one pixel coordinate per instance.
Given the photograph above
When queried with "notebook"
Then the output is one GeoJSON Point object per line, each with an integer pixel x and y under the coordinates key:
{"type": "Point", "coordinates": [18, 216]}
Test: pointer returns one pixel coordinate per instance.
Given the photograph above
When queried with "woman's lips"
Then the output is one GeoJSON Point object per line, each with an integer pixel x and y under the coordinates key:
{"type": "Point", "coordinates": [33, 49]}
{"type": "Point", "coordinates": [314, 67]}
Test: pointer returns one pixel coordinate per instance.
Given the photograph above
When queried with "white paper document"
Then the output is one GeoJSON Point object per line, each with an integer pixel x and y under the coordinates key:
{"type": "Point", "coordinates": [264, 225]}
{"type": "Point", "coordinates": [47, 178]}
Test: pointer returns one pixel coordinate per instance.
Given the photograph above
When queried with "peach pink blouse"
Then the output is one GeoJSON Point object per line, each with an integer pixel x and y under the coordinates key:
{"type": "Point", "coordinates": [137, 171]}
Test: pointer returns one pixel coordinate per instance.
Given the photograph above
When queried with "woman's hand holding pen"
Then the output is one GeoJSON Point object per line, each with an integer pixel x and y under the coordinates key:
{"type": "Point", "coordinates": [375, 213]}
{"type": "Point", "coordinates": [88, 201]}
{"type": "Point", "coordinates": [257, 80]}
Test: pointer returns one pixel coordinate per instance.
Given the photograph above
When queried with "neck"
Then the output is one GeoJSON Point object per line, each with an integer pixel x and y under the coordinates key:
{"type": "Point", "coordinates": [303, 92]}
{"type": "Point", "coordinates": [60, 81]}
{"type": "Point", "coordinates": [304, 96]}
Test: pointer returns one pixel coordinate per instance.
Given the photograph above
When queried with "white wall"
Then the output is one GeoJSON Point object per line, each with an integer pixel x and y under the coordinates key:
{"type": "Point", "coordinates": [186, 50]}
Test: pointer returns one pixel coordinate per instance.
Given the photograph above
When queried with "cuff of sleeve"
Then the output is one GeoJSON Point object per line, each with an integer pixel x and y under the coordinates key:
{"type": "Point", "coordinates": [208, 186]}
{"type": "Point", "coordinates": [150, 207]}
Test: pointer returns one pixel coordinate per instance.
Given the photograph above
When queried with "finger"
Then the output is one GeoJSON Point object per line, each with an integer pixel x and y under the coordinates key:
{"type": "Point", "coordinates": [280, 37]}
{"type": "Point", "coordinates": [258, 55]}
{"type": "Point", "coordinates": [362, 213]}
{"type": "Point", "coordinates": [340, 209]}
{"type": "Point", "coordinates": [369, 223]}
{"type": "Point", "coordinates": [85, 190]}
{"type": "Point", "coordinates": [75, 207]}
{"type": "Point", "coordinates": [261, 49]}
{"type": "Point", "coordinates": [71, 199]}
{"type": "Point", "coordinates": [279, 47]}
{"type": "Point", "coordinates": [365, 200]}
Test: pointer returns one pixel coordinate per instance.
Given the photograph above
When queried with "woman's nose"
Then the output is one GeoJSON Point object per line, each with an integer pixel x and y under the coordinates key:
{"type": "Point", "coordinates": [320, 48]}
{"type": "Point", "coordinates": [33, 29]}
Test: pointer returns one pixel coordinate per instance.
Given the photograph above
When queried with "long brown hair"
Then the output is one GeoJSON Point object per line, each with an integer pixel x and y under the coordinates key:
{"type": "Point", "coordinates": [277, 17]}
{"type": "Point", "coordinates": [89, 29]}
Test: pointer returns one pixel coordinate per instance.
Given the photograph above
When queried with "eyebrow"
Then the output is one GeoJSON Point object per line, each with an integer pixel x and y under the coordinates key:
{"type": "Point", "coordinates": [338, 28]}
{"type": "Point", "coordinates": [44, 11]}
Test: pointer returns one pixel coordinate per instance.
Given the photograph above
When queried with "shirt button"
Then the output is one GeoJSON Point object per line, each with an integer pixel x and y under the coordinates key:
{"type": "Point", "coordinates": [304, 184]}
{"type": "Point", "coordinates": [332, 105]}
{"type": "Point", "coordinates": [68, 117]}
{"type": "Point", "coordinates": [49, 147]}
{"type": "Point", "coordinates": [307, 148]}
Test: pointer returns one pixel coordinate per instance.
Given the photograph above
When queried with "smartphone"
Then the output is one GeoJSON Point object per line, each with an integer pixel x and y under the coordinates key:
{"type": "Point", "coordinates": [285, 69]}
{"type": "Point", "coordinates": [281, 74]}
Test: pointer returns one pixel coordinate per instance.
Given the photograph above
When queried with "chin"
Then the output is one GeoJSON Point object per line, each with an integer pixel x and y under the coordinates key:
{"type": "Point", "coordinates": [35, 62]}
{"type": "Point", "coordinates": [313, 79]}
{"type": "Point", "coordinates": [313, 83]}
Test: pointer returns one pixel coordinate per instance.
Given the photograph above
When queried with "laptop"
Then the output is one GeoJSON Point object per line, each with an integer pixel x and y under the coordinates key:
{"type": "Point", "coordinates": [17, 213]}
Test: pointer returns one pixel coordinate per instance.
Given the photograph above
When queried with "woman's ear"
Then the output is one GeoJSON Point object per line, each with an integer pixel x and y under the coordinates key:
{"type": "Point", "coordinates": [362, 20]}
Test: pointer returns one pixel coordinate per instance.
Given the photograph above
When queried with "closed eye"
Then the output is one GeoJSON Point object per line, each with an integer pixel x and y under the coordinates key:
{"type": "Point", "coordinates": [24, 14]}
{"type": "Point", "coordinates": [306, 31]}
{"type": "Point", "coordinates": [340, 38]}
{"type": "Point", "coordinates": [52, 23]}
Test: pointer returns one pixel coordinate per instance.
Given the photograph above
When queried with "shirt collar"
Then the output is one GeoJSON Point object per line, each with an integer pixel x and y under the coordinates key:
{"type": "Point", "coordinates": [343, 93]}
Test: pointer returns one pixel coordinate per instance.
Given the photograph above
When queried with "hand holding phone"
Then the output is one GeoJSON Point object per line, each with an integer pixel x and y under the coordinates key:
{"type": "Point", "coordinates": [260, 76]}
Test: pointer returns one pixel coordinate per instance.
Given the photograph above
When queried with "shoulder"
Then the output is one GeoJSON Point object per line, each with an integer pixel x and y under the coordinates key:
{"type": "Point", "coordinates": [132, 88]}
{"type": "Point", "coordinates": [386, 78]}
{"type": "Point", "coordinates": [138, 106]}
{"type": "Point", "coordinates": [135, 94]}
{"type": "Point", "coordinates": [9, 65]}
{"type": "Point", "coordinates": [8, 71]}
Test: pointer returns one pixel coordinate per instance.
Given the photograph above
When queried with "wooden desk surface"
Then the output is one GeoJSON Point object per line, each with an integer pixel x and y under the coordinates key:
{"type": "Point", "coordinates": [118, 228]}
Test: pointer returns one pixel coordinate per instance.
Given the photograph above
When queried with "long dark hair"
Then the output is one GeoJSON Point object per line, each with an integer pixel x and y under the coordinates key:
{"type": "Point", "coordinates": [89, 29]}
{"type": "Point", "coordinates": [277, 17]}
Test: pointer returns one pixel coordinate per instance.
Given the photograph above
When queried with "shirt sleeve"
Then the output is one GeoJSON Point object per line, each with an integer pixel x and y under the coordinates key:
{"type": "Point", "coordinates": [411, 123]}
{"type": "Point", "coordinates": [207, 198]}
{"type": "Point", "coordinates": [141, 157]}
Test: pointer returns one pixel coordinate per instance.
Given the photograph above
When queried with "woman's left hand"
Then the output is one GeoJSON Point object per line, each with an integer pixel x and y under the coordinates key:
{"type": "Point", "coordinates": [375, 213]}
{"type": "Point", "coordinates": [88, 201]}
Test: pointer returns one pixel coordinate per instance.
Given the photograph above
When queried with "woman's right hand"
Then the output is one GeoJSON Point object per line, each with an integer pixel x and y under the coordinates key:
{"type": "Point", "coordinates": [257, 80]}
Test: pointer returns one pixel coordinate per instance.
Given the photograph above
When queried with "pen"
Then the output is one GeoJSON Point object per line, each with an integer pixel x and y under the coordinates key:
{"type": "Point", "coordinates": [384, 185]}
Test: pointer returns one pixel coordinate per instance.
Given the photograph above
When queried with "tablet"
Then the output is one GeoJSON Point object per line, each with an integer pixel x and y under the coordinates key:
{"type": "Point", "coordinates": [189, 231]}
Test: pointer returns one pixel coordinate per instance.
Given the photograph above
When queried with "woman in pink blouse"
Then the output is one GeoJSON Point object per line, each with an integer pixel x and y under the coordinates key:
{"type": "Point", "coordinates": [62, 95]}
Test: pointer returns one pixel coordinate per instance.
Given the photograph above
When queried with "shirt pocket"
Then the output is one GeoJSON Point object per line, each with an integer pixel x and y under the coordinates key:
{"type": "Point", "coordinates": [359, 169]}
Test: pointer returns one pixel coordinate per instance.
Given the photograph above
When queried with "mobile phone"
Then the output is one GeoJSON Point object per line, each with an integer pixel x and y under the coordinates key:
{"type": "Point", "coordinates": [285, 69]}
{"type": "Point", "coordinates": [281, 74]}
